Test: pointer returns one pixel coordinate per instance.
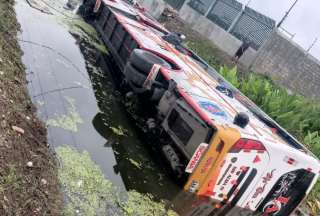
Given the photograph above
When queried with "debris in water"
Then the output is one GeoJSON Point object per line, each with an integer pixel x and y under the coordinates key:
{"type": "Point", "coordinates": [135, 163]}
{"type": "Point", "coordinates": [34, 5]}
{"type": "Point", "coordinates": [118, 131]}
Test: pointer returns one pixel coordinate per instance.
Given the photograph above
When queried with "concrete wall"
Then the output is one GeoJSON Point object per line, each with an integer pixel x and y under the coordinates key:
{"type": "Point", "coordinates": [288, 64]}
{"type": "Point", "coordinates": [207, 28]}
{"type": "Point", "coordinates": [248, 57]}
{"type": "Point", "coordinates": [154, 7]}
{"type": "Point", "coordinates": [222, 39]}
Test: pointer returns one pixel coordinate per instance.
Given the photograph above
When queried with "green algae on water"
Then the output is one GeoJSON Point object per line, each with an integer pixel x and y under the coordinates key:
{"type": "Point", "coordinates": [89, 193]}
{"type": "Point", "coordinates": [69, 121]}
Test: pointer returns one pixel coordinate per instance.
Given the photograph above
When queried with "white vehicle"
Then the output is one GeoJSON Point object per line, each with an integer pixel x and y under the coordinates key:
{"type": "Point", "coordinates": [231, 151]}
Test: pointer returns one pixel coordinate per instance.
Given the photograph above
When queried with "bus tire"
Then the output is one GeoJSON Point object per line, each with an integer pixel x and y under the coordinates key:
{"type": "Point", "coordinates": [133, 75]}
{"type": "Point", "coordinates": [144, 60]}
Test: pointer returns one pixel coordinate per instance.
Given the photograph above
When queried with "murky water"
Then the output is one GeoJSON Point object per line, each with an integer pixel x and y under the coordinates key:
{"type": "Point", "coordinates": [76, 98]}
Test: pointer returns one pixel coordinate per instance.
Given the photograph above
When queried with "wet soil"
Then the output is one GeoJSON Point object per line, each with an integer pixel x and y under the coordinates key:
{"type": "Point", "coordinates": [28, 169]}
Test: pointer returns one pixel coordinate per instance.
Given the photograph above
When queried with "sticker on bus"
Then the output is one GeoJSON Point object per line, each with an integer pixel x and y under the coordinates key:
{"type": "Point", "coordinates": [196, 157]}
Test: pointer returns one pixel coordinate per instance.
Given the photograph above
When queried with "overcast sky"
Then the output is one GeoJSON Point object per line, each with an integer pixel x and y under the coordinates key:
{"type": "Point", "coordinates": [304, 20]}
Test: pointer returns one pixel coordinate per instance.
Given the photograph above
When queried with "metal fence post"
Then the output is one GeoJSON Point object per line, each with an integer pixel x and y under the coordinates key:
{"type": "Point", "coordinates": [234, 23]}
{"type": "Point", "coordinates": [210, 7]}
{"type": "Point", "coordinates": [184, 3]}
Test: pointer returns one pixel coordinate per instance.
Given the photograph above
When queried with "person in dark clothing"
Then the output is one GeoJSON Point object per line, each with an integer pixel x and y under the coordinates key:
{"type": "Point", "coordinates": [245, 45]}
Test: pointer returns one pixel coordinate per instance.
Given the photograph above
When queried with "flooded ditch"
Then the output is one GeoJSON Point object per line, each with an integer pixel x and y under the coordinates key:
{"type": "Point", "coordinates": [106, 165]}
{"type": "Point", "coordinates": [76, 98]}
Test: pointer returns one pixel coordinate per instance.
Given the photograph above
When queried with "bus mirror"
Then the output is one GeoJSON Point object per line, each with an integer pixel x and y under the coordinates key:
{"type": "Point", "coordinates": [241, 119]}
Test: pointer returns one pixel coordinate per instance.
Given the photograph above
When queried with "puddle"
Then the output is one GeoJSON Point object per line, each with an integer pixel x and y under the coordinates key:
{"type": "Point", "coordinates": [76, 99]}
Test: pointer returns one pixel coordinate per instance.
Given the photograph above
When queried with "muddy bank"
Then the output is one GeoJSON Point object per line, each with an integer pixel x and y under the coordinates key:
{"type": "Point", "coordinates": [28, 169]}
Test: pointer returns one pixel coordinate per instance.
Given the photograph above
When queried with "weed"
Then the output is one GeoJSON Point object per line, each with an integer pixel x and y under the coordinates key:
{"type": "Point", "coordinates": [10, 179]}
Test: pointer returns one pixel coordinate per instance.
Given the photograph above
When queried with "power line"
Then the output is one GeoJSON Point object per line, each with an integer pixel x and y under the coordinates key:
{"type": "Point", "coordinates": [287, 13]}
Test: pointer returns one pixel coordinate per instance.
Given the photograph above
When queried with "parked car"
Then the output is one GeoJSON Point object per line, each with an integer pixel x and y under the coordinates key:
{"type": "Point", "coordinates": [231, 151]}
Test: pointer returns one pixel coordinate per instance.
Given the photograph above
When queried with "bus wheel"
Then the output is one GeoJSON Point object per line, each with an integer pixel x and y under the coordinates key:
{"type": "Point", "coordinates": [144, 60]}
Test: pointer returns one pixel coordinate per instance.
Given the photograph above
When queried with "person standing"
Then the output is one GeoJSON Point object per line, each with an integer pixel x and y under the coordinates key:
{"type": "Point", "coordinates": [245, 45]}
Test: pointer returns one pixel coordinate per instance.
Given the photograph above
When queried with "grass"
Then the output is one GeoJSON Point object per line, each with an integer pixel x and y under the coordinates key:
{"type": "Point", "coordinates": [11, 178]}
{"type": "Point", "coordinates": [297, 114]}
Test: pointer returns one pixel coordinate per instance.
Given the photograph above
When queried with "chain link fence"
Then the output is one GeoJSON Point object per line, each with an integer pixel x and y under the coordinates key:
{"type": "Point", "coordinates": [253, 27]}
{"type": "Point", "coordinates": [200, 5]}
{"type": "Point", "coordinates": [176, 4]}
{"type": "Point", "coordinates": [244, 23]}
{"type": "Point", "coordinates": [224, 12]}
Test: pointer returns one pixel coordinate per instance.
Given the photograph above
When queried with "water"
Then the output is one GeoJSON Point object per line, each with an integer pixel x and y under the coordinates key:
{"type": "Point", "coordinates": [75, 96]}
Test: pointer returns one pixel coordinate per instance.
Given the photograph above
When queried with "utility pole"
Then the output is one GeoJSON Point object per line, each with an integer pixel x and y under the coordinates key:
{"type": "Point", "coordinates": [287, 13]}
{"type": "Point", "coordinates": [312, 45]}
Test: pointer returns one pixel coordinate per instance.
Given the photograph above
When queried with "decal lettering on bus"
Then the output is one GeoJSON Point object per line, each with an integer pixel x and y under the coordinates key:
{"type": "Point", "coordinates": [265, 181]}
{"type": "Point", "coordinates": [280, 198]}
{"type": "Point", "coordinates": [196, 157]}
{"type": "Point", "coordinates": [227, 180]}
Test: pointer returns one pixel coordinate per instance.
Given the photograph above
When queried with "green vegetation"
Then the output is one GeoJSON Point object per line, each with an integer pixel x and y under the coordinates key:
{"type": "Point", "coordinates": [205, 50]}
{"type": "Point", "coordinates": [297, 114]}
{"type": "Point", "coordinates": [87, 33]}
{"type": "Point", "coordinates": [10, 179]}
{"type": "Point", "coordinates": [68, 122]}
{"type": "Point", "coordinates": [89, 193]}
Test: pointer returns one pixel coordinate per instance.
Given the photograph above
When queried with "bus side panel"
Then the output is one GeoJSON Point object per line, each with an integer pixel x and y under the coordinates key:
{"type": "Point", "coordinates": [117, 39]}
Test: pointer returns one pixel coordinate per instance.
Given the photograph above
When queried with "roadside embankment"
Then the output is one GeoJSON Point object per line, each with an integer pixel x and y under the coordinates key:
{"type": "Point", "coordinates": [29, 183]}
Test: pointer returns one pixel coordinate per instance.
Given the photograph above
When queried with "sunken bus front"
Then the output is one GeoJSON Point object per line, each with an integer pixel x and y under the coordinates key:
{"type": "Point", "coordinates": [231, 151]}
